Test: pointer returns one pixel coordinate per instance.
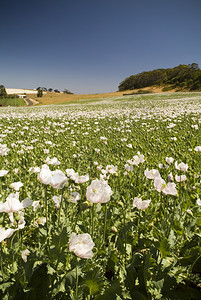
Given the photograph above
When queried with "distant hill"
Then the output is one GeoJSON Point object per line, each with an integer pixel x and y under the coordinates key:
{"type": "Point", "coordinates": [181, 78]}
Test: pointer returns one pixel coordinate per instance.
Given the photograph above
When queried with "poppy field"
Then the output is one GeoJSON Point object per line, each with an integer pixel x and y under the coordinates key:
{"type": "Point", "coordinates": [101, 199]}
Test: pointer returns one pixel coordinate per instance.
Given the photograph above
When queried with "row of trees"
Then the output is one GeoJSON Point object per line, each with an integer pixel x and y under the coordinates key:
{"type": "Point", "coordinates": [182, 77]}
{"type": "Point", "coordinates": [44, 89]}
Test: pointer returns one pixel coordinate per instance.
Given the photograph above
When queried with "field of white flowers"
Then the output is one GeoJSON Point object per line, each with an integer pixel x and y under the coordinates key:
{"type": "Point", "coordinates": [101, 199]}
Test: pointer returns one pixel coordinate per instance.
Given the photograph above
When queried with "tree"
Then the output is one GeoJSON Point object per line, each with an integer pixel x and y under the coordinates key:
{"type": "Point", "coordinates": [56, 91]}
{"type": "Point", "coordinates": [65, 91]}
{"type": "Point", "coordinates": [194, 66]}
{"type": "Point", "coordinates": [40, 93]}
{"type": "Point", "coordinates": [50, 90]}
{"type": "Point", "coordinates": [2, 91]}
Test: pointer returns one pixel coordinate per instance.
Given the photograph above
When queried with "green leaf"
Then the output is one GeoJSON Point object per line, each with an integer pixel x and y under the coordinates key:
{"type": "Point", "coordinates": [164, 247]}
{"type": "Point", "coordinates": [92, 285]}
{"type": "Point", "coordinates": [111, 292]}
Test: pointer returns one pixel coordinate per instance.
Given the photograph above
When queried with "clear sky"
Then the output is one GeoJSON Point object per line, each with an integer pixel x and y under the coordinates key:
{"type": "Point", "coordinates": [90, 46]}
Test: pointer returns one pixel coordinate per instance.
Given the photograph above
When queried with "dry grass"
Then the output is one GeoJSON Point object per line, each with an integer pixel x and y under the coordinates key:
{"type": "Point", "coordinates": [55, 98]}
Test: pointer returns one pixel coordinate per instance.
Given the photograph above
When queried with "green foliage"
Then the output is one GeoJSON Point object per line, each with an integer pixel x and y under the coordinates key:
{"type": "Point", "coordinates": [3, 92]}
{"type": "Point", "coordinates": [182, 76]}
{"type": "Point", "coordinates": [138, 254]}
{"type": "Point", "coordinates": [40, 93]}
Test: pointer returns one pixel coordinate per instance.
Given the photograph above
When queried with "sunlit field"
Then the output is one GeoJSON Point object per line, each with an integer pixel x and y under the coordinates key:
{"type": "Point", "coordinates": [101, 199]}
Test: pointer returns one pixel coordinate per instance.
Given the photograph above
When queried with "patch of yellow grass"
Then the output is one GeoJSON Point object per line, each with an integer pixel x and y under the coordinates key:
{"type": "Point", "coordinates": [55, 98]}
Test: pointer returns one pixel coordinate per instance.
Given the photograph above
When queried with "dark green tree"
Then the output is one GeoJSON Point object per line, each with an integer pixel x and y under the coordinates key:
{"type": "Point", "coordinates": [40, 93]}
{"type": "Point", "coordinates": [2, 91]}
{"type": "Point", "coordinates": [65, 91]}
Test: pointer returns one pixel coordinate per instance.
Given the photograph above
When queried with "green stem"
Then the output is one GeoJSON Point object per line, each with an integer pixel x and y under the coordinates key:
{"type": "Point", "coordinates": [47, 220]}
{"type": "Point", "coordinates": [105, 223]}
{"type": "Point", "coordinates": [60, 207]}
{"type": "Point", "coordinates": [92, 221]}
{"type": "Point", "coordinates": [76, 288]}
{"type": "Point", "coordinates": [2, 270]}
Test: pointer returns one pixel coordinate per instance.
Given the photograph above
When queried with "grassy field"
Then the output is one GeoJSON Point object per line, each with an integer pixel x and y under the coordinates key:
{"type": "Point", "coordinates": [100, 200]}
{"type": "Point", "coordinates": [54, 98]}
{"type": "Point", "coordinates": [12, 102]}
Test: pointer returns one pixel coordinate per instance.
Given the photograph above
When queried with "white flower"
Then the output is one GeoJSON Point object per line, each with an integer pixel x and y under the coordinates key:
{"type": "Point", "coordinates": [24, 255]}
{"type": "Point", "coordinates": [171, 125]}
{"type": "Point", "coordinates": [34, 170]}
{"type": "Point", "coordinates": [16, 185]}
{"type": "Point", "coordinates": [128, 168]}
{"type": "Point", "coordinates": [99, 191]}
{"type": "Point", "coordinates": [141, 204]}
{"type": "Point", "coordinates": [170, 177]}
{"type": "Point", "coordinates": [41, 221]}
{"type": "Point", "coordinates": [166, 189]}
{"type": "Point", "coordinates": [74, 197]}
{"type": "Point", "coordinates": [151, 174]}
{"type": "Point", "coordinates": [3, 173]}
{"type": "Point", "coordinates": [6, 233]}
{"type": "Point", "coordinates": [13, 204]}
{"type": "Point", "coordinates": [81, 245]}
{"type": "Point", "coordinates": [136, 160]}
{"type": "Point", "coordinates": [4, 150]}
{"type": "Point", "coordinates": [198, 202]}
{"type": "Point", "coordinates": [36, 205]}
{"type": "Point", "coordinates": [81, 179]}
{"type": "Point", "coordinates": [180, 178]}
{"type": "Point", "coordinates": [129, 146]}
{"type": "Point", "coordinates": [46, 151]}
{"type": "Point", "coordinates": [56, 179]}
{"type": "Point", "coordinates": [75, 176]}
{"type": "Point", "coordinates": [45, 174]}
{"type": "Point", "coordinates": [197, 149]}
{"type": "Point", "coordinates": [57, 200]}
{"type": "Point", "coordinates": [111, 169]}
{"type": "Point", "coordinates": [182, 166]}
{"type": "Point", "coordinates": [169, 160]}
{"type": "Point", "coordinates": [54, 161]}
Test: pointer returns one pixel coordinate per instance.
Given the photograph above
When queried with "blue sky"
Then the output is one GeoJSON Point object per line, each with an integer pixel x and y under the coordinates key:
{"type": "Point", "coordinates": [90, 46]}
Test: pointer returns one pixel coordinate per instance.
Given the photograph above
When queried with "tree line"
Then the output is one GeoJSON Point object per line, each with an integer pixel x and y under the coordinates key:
{"type": "Point", "coordinates": [182, 77]}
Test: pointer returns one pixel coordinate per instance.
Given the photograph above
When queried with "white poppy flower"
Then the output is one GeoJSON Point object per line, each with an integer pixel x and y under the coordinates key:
{"type": "Point", "coordinates": [74, 197]}
{"type": "Point", "coordinates": [3, 173]}
{"type": "Point", "coordinates": [169, 160]}
{"type": "Point", "coordinates": [56, 179]}
{"type": "Point", "coordinates": [98, 191]}
{"type": "Point", "coordinates": [166, 189]}
{"type": "Point", "coordinates": [111, 169]}
{"type": "Point", "coordinates": [36, 205]}
{"type": "Point", "coordinates": [197, 149]}
{"type": "Point", "coordinates": [24, 255]}
{"type": "Point", "coordinates": [128, 168]}
{"type": "Point", "coordinates": [34, 170]}
{"type": "Point", "coordinates": [6, 233]}
{"type": "Point", "coordinates": [45, 174]}
{"type": "Point", "coordinates": [54, 161]}
{"type": "Point", "coordinates": [180, 178]}
{"type": "Point", "coordinates": [13, 204]}
{"type": "Point", "coordinates": [16, 185]}
{"type": "Point", "coordinates": [182, 166]}
{"type": "Point", "coordinates": [141, 204]}
{"type": "Point", "coordinates": [57, 200]}
{"type": "Point", "coordinates": [198, 202]}
{"type": "Point", "coordinates": [81, 245]}
{"type": "Point", "coordinates": [81, 179]}
{"type": "Point", "coordinates": [151, 174]}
